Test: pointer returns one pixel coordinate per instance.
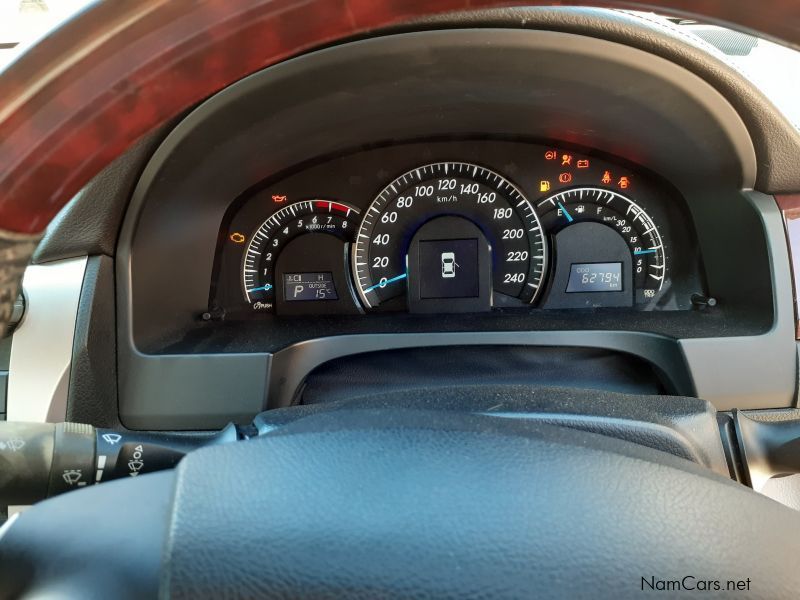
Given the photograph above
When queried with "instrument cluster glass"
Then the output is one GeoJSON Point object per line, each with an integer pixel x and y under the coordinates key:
{"type": "Point", "coordinates": [457, 227]}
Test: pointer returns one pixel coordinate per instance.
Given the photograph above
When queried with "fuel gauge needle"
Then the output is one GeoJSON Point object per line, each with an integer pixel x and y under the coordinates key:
{"type": "Point", "coordinates": [565, 212]}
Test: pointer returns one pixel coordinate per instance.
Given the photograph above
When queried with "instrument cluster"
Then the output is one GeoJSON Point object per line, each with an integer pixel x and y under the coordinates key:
{"type": "Point", "coordinates": [457, 227]}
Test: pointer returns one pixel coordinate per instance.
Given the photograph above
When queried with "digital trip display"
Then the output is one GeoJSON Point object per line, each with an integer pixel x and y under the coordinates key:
{"type": "Point", "coordinates": [595, 277]}
{"type": "Point", "coordinates": [309, 286]}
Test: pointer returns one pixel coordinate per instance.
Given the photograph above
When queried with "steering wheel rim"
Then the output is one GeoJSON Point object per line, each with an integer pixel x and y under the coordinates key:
{"type": "Point", "coordinates": [399, 503]}
{"type": "Point", "coordinates": [154, 58]}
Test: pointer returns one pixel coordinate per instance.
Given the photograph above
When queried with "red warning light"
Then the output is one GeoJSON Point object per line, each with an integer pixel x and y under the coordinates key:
{"type": "Point", "coordinates": [550, 155]}
{"type": "Point", "coordinates": [606, 178]}
{"type": "Point", "coordinates": [583, 164]}
{"type": "Point", "coordinates": [624, 182]}
{"type": "Point", "coordinates": [566, 160]}
{"type": "Point", "coordinates": [237, 238]}
{"type": "Point", "coordinates": [278, 199]}
{"type": "Point", "coordinates": [565, 177]}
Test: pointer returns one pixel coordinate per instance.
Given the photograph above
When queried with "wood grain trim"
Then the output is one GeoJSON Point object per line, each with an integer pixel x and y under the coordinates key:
{"type": "Point", "coordinates": [88, 91]}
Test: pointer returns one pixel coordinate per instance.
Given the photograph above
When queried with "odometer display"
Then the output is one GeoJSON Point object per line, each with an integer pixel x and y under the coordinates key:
{"type": "Point", "coordinates": [505, 217]}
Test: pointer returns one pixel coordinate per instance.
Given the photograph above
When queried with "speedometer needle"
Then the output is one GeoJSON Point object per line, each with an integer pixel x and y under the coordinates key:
{"type": "Point", "coordinates": [385, 283]}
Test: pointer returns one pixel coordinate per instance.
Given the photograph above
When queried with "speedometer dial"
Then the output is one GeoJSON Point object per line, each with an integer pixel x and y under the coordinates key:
{"type": "Point", "coordinates": [498, 212]}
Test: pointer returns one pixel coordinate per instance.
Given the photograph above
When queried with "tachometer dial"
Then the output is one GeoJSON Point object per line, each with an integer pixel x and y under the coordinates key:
{"type": "Point", "coordinates": [274, 234]}
{"type": "Point", "coordinates": [483, 202]}
{"type": "Point", "coordinates": [596, 264]}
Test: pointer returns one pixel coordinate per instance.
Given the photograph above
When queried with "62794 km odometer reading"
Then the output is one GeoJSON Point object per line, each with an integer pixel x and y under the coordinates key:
{"type": "Point", "coordinates": [485, 202]}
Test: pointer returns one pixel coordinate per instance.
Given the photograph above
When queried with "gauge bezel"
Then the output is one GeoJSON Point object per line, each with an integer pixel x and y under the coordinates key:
{"type": "Point", "coordinates": [264, 232]}
{"type": "Point", "coordinates": [649, 226]}
{"type": "Point", "coordinates": [537, 261]}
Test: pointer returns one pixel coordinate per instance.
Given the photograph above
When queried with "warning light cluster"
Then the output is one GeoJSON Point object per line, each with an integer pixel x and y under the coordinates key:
{"type": "Point", "coordinates": [569, 161]}
{"type": "Point", "coordinates": [564, 160]}
{"type": "Point", "coordinates": [623, 182]}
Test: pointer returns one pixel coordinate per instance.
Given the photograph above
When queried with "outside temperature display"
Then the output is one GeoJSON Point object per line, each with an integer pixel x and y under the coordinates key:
{"type": "Point", "coordinates": [309, 286]}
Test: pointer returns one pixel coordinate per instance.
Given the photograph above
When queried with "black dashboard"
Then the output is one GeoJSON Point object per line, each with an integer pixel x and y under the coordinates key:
{"type": "Point", "coordinates": [509, 225]}
{"type": "Point", "coordinates": [556, 194]}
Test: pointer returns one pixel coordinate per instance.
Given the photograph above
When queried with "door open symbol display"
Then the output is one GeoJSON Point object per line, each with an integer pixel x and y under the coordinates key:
{"type": "Point", "coordinates": [449, 265]}
{"type": "Point", "coordinates": [448, 268]}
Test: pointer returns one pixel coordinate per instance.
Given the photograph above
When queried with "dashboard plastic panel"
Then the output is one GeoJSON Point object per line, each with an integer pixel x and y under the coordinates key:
{"type": "Point", "coordinates": [539, 85]}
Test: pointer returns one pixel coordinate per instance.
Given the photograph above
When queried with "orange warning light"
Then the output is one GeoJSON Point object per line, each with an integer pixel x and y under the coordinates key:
{"type": "Point", "coordinates": [544, 185]}
{"type": "Point", "coordinates": [237, 238]}
{"type": "Point", "coordinates": [278, 199]}
{"type": "Point", "coordinates": [550, 155]}
{"type": "Point", "coordinates": [606, 178]}
{"type": "Point", "coordinates": [566, 160]}
{"type": "Point", "coordinates": [624, 182]}
{"type": "Point", "coordinates": [583, 164]}
{"type": "Point", "coordinates": [565, 177]}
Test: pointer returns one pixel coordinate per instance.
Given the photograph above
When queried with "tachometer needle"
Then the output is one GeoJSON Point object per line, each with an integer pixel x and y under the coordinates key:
{"type": "Point", "coordinates": [648, 251]}
{"type": "Point", "coordinates": [566, 214]}
{"type": "Point", "coordinates": [385, 283]}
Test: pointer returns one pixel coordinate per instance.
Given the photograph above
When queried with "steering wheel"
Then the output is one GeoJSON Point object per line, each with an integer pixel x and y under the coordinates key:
{"type": "Point", "coordinates": [363, 503]}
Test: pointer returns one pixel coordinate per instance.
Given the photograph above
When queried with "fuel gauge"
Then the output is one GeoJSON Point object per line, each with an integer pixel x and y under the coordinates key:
{"type": "Point", "coordinates": [608, 250]}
